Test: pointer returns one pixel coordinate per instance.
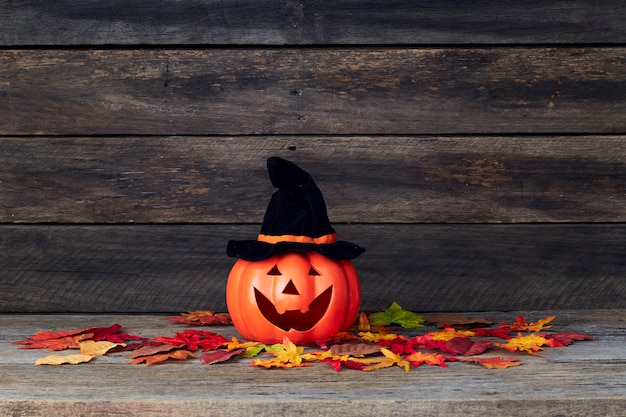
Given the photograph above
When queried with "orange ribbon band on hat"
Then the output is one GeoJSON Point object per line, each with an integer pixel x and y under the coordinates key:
{"type": "Point", "coordinates": [329, 238]}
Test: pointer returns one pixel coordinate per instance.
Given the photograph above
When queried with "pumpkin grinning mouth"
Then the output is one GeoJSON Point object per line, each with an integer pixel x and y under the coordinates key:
{"type": "Point", "coordinates": [295, 319]}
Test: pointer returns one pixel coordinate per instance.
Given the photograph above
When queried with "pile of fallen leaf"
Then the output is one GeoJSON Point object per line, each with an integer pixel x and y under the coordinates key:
{"type": "Point", "coordinates": [372, 344]}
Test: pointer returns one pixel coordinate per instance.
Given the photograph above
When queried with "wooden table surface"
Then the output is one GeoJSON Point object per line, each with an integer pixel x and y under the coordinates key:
{"type": "Point", "coordinates": [586, 379]}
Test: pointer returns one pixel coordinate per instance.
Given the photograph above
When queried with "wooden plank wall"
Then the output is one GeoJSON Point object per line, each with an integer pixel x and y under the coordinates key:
{"type": "Point", "coordinates": [477, 149]}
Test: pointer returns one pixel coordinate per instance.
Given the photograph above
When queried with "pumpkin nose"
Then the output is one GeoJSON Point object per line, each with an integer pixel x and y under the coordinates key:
{"type": "Point", "coordinates": [290, 288]}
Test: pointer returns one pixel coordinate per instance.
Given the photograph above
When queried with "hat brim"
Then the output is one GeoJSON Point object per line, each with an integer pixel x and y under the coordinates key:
{"type": "Point", "coordinates": [254, 250]}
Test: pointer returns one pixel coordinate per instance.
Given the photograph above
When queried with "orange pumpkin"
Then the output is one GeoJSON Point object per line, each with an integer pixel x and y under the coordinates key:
{"type": "Point", "coordinates": [302, 295]}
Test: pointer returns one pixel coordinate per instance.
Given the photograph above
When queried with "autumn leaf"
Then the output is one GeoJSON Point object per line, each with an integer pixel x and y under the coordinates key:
{"type": "Point", "coordinates": [61, 334]}
{"type": "Point", "coordinates": [136, 346]}
{"type": "Point", "coordinates": [530, 344]}
{"type": "Point", "coordinates": [567, 338]}
{"type": "Point", "coordinates": [399, 345]}
{"type": "Point", "coordinates": [194, 340]}
{"type": "Point", "coordinates": [288, 355]}
{"type": "Point", "coordinates": [443, 320]}
{"type": "Point", "coordinates": [202, 318]}
{"type": "Point", "coordinates": [494, 363]}
{"type": "Point", "coordinates": [221, 355]}
{"type": "Point", "coordinates": [178, 354]}
{"type": "Point", "coordinates": [501, 333]}
{"type": "Point", "coordinates": [450, 333]}
{"type": "Point", "coordinates": [236, 344]}
{"type": "Point", "coordinates": [396, 315]}
{"type": "Point", "coordinates": [248, 349]}
{"type": "Point", "coordinates": [377, 337]}
{"type": "Point", "coordinates": [64, 359]}
{"type": "Point", "coordinates": [338, 361]}
{"type": "Point", "coordinates": [432, 359]}
{"type": "Point", "coordinates": [91, 347]}
{"type": "Point", "coordinates": [67, 342]}
{"type": "Point", "coordinates": [340, 337]}
{"type": "Point", "coordinates": [467, 347]}
{"type": "Point", "coordinates": [363, 323]}
{"type": "Point", "coordinates": [150, 350]}
{"type": "Point", "coordinates": [390, 359]}
{"type": "Point", "coordinates": [43, 339]}
{"type": "Point", "coordinates": [358, 349]}
{"type": "Point", "coordinates": [520, 325]}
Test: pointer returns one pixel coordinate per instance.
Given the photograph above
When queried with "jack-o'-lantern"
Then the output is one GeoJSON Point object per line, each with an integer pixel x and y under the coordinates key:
{"type": "Point", "coordinates": [302, 295]}
{"type": "Point", "coordinates": [295, 279]}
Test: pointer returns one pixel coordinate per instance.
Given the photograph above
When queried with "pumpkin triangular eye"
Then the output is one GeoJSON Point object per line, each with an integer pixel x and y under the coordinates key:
{"type": "Point", "coordinates": [274, 271]}
{"type": "Point", "coordinates": [312, 271]}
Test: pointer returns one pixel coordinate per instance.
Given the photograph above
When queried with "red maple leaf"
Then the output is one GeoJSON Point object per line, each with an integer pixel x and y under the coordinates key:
{"type": "Point", "coordinates": [216, 356]}
{"type": "Point", "coordinates": [567, 338]}
{"type": "Point", "coordinates": [500, 332]}
{"type": "Point", "coordinates": [399, 345]}
{"type": "Point", "coordinates": [467, 347]}
{"type": "Point", "coordinates": [194, 340]}
{"type": "Point", "coordinates": [337, 363]}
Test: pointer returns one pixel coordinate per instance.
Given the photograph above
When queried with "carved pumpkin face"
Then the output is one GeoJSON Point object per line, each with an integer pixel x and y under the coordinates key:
{"type": "Point", "coordinates": [302, 295]}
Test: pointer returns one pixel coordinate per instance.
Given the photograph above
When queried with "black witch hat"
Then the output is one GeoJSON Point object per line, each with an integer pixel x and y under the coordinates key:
{"type": "Point", "coordinates": [295, 220]}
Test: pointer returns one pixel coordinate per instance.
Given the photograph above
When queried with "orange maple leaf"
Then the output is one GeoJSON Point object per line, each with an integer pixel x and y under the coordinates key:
{"type": "Point", "coordinates": [493, 363]}
{"type": "Point", "coordinates": [431, 359]}
{"type": "Point", "coordinates": [520, 324]}
{"type": "Point", "coordinates": [235, 344]}
{"type": "Point", "coordinates": [179, 354]}
{"type": "Point", "coordinates": [67, 342]}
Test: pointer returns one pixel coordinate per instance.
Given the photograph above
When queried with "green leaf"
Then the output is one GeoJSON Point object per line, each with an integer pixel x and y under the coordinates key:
{"type": "Point", "coordinates": [252, 351]}
{"type": "Point", "coordinates": [396, 314]}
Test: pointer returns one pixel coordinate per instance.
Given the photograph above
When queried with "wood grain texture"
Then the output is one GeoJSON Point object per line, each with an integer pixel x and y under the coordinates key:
{"type": "Point", "coordinates": [175, 268]}
{"type": "Point", "coordinates": [541, 386]}
{"type": "Point", "coordinates": [379, 179]}
{"type": "Point", "coordinates": [246, 22]}
{"type": "Point", "coordinates": [313, 91]}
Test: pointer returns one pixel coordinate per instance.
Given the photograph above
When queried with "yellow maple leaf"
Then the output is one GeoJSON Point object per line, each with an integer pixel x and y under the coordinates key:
{"type": "Point", "coordinates": [291, 353]}
{"type": "Point", "coordinates": [449, 333]}
{"type": "Point", "coordinates": [91, 347]}
{"type": "Point", "coordinates": [389, 360]}
{"type": "Point", "coordinates": [530, 344]}
{"type": "Point", "coordinates": [236, 344]}
{"type": "Point", "coordinates": [64, 359]}
{"type": "Point", "coordinates": [376, 337]}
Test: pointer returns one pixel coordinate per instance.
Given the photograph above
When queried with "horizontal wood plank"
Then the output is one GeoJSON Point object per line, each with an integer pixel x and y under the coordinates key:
{"type": "Point", "coordinates": [176, 268]}
{"type": "Point", "coordinates": [364, 179]}
{"type": "Point", "coordinates": [110, 386]}
{"type": "Point", "coordinates": [313, 91]}
{"type": "Point", "coordinates": [250, 22]}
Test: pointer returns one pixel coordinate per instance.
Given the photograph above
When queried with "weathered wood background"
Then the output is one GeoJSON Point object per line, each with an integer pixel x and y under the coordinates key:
{"type": "Point", "coordinates": [477, 150]}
